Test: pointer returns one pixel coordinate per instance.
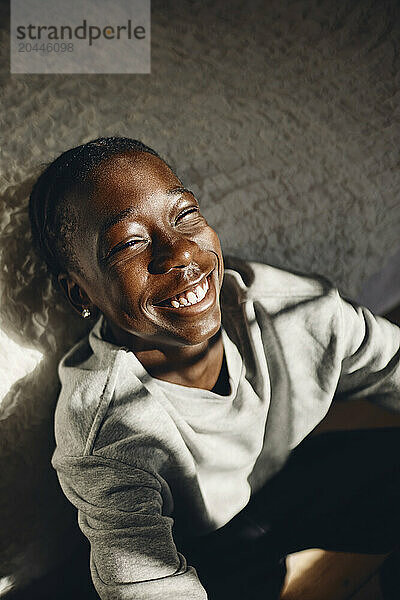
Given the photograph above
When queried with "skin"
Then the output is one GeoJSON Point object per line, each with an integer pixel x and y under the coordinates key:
{"type": "Point", "coordinates": [159, 247]}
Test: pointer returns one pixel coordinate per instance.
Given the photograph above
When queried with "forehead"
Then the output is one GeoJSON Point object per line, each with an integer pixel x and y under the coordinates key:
{"type": "Point", "coordinates": [133, 176]}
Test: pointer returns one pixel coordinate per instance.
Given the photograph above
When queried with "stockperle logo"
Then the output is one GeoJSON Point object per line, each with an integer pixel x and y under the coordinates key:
{"type": "Point", "coordinates": [93, 36]}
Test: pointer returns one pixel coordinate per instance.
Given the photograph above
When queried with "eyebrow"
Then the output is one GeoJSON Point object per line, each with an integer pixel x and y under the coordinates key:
{"type": "Point", "coordinates": [130, 210]}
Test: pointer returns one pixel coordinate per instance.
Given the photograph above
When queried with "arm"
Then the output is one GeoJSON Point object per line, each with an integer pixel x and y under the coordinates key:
{"type": "Point", "coordinates": [133, 555]}
{"type": "Point", "coordinates": [370, 347]}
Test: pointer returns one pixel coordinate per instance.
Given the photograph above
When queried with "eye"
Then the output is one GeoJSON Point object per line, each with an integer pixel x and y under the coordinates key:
{"type": "Point", "coordinates": [188, 214]}
{"type": "Point", "coordinates": [134, 243]}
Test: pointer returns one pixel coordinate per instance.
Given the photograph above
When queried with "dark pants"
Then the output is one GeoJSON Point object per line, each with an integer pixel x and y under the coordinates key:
{"type": "Point", "coordinates": [338, 491]}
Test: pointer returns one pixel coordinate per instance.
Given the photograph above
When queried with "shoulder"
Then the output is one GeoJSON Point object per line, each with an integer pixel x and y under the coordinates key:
{"type": "Point", "coordinates": [288, 304]}
{"type": "Point", "coordinates": [251, 280]}
{"type": "Point", "coordinates": [87, 374]}
{"type": "Point", "coordinates": [105, 408]}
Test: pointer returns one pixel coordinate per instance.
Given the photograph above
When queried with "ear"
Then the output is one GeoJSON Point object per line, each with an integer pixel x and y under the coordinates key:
{"type": "Point", "coordinates": [76, 295]}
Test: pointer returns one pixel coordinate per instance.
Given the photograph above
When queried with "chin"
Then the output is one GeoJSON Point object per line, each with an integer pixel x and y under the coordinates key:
{"type": "Point", "coordinates": [202, 332]}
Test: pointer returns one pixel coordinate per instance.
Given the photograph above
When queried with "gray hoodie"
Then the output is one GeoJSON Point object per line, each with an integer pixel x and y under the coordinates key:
{"type": "Point", "coordinates": [143, 459]}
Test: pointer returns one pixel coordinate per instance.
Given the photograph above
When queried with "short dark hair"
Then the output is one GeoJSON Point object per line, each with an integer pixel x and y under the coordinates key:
{"type": "Point", "coordinates": [53, 217]}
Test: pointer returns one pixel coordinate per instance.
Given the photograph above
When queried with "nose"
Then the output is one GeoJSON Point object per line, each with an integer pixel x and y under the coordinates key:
{"type": "Point", "coordinates": [172, 254]}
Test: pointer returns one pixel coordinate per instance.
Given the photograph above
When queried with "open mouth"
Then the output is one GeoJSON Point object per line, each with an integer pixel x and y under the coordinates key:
{"type": "Point", "coordinates": [189, 297]}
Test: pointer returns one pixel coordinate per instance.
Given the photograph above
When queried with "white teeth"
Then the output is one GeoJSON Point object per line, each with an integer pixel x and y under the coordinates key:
{"type": "Point", "coordinates": [191, 296]}
{"type": "Point", "coordinates": [200, 293]}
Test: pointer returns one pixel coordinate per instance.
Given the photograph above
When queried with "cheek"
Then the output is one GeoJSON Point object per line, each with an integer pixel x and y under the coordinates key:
{"type": "Point", "coordinates": [216, 241]}
{"type": "Point", "coordinates": [128, 290]}
{"type": "Point", "coordinates": [213, 243]}
{"type": "Point", "coordinates": [124, 306]}
{"type": "Point", "coordinates": [207, 239]}
{"type": "Point", "coordinates": [122, 291]}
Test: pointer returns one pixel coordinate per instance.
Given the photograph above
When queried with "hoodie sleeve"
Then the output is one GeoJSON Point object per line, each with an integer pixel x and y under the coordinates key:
{"type": "Point", "coordinates": [133, 555]}
{"type": "Point", "coordinates": [370, 347]}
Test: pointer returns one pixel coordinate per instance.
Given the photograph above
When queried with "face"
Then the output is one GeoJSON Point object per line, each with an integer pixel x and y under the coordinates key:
{"type": "Point", "coordinates": [149, 260]}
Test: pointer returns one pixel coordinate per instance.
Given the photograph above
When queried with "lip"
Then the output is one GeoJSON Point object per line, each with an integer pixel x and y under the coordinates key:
{"type": "Point", "coordinates": [183, 290]}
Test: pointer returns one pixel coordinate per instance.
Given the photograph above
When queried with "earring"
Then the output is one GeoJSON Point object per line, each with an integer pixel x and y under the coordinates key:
{"type": "Point", "coordinates": [85, 313]}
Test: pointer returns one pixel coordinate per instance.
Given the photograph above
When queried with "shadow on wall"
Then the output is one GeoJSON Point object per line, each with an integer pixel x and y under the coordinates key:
{"type": "Point", "coordinates": [38, 528]}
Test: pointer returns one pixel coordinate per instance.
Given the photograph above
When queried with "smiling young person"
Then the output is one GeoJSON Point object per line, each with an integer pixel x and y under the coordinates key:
{"type": "Point", "coordinates": [182, 415]}
{"type": "Point", "coordinates": [153, 267]}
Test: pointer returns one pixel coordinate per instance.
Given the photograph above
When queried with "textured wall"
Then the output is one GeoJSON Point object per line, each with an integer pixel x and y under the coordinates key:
{"type": "Point", "coordinates": [282, 116]}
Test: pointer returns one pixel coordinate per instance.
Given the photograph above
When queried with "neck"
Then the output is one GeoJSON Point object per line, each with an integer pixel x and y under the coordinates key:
{"type": "Point", "coordinates": [192, 365]}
